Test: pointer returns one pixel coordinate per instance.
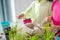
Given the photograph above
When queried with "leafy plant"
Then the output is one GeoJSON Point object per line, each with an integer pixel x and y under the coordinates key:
{"type": "Point", "coordinates": [14, 34]}
{"type": "Point", "coordinates": [32, 36]}
{"type": "Point", "coordinates": [46, 33]}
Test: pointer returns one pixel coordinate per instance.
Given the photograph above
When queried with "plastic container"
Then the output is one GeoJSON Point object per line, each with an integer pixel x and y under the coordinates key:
{"type": "Point", "coordinates": [5, 24]}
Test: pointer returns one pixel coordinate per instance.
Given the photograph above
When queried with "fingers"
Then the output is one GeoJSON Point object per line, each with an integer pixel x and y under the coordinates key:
{"type": "Point", "coordinates": [20, 16]}
{"type": "Point", "coordinates": [30, 25]}
{"type": "Point", "coordinates": [48, 19]}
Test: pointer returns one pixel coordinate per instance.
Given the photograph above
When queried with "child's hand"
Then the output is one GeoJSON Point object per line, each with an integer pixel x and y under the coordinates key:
{"type": "Point", "coordinates": [30, 25]}
{"type": "Point", "coordinates": [20, 16]}
{"type": "Point", "coordinates": [48, 19]}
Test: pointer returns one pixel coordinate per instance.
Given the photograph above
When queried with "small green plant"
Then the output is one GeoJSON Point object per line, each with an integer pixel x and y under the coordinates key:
{"type": "Point", "coordinates": [14, 34]}
{"type": "Point", "coordinates": [32, 36]}
{"type": "Point", "coordinates": [46, 33]}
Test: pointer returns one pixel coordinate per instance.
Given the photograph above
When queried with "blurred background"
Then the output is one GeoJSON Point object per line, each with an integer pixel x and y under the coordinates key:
{"type": "Point", "coordinates": [21, 5]}
{"type": "Point", "coordinates": [10, 8]}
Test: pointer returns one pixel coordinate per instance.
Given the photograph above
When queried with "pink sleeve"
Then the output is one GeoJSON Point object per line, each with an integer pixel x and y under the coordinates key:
{"type": "Point", "coordinates": [53, 3]}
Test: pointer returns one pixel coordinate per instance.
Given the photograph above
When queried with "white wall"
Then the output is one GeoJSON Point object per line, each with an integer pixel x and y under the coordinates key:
{"type": "Point", "coordinates": [21, 5]}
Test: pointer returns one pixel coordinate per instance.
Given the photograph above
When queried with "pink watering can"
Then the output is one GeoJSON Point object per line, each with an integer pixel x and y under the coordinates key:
{"type": "Point", "coordinates": [56, 12]}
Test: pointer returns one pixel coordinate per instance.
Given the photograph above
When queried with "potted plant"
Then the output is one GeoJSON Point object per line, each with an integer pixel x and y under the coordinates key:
{"type": "Point", "coordinates": [14, 34]}
{"type": "Point", "coordinates": [46, 33]}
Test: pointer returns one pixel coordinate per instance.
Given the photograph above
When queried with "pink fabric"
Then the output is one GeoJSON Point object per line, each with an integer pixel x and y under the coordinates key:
{"type": "Point", "coordinates": [56, 12]}
{"type": "Point", "coordinates": [53, 4]}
